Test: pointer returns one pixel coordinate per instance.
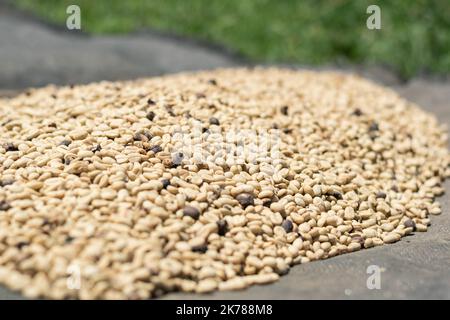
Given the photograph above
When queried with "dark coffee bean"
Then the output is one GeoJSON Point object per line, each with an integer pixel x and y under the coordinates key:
{"type": "Point", "coordinates": [10, 147]}
{"type": "Point", "coordinates": [191, 212]}
{"type": "Point", "coordinates": [212, 82]}
{"type": "Point", "coordinates": [337, 195]}
{"type": "Point", "coordinates": [22, 244]}
{"type": "Point", "coordinates": [150, 102]}
{"type": "Point", "coordinates": [4, 206]}
{"type": "Point", "coordinates": [381, 195]}
{"type": "Point", "coordinates": [357, 112]}
{"type": "Point", "coordinates": [6, 182]}
{"type": "Point", "coordinates": [223, 227]}
{"type": "Point", "coordinates": [97, 148]}
{"type": "Point", "coordinates": [287, 130]}
{"type": "Point", "coordinates": [143, 136]}
{"type": "Point", "coordinates": [284, 110]}
{"type": "Point", "coordinates": [165, 183]}
{"type": "Point", "coordinates": [170, 112]}
{"type": "Point", "coordinates": [214, 121]}
{"type": "Point", "coordinates": [137, 136]}
{"type": "Point", "coordinates": [287, 225]}
{"type": "Point", "coordinates": [177, 158]}
{"type": "Point", "coordinates": [245, 199]}
{"type": "Point", "coordinates": [410, 224]}
{"type": "Point", "coordinates": [267, 202]}
{"type": "Point", "coordinates": [200, 249]}
{"type": "Point", "coordinates": [69, 239]}
{"type": "Point", "coordinates": [52, 125]}
{"type": "Point", "coordinates": [156, 148]}
{"type": "Point", "coordinates": [374, 127]}
{"type": "Point", "coordinates": [151, 115]}
{"type": "Point", "coordinates": [358, 239]}
{"type": "Point", "coordinates": [65, 143]}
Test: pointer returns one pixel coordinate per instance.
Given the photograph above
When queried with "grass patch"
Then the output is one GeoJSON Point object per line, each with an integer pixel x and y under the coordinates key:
{"type": "Point", "coordinates": [415, 35]}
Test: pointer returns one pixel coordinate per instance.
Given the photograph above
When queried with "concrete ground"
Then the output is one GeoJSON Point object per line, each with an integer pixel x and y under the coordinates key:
{"type": "Point", "coordinates": [417, 267]}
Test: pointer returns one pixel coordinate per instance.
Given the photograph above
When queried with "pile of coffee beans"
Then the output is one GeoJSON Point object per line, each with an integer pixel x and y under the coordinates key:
{"type": "Point", "coordinates": [206, 181]}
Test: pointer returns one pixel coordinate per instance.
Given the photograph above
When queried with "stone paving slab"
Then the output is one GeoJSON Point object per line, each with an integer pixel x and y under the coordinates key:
{"type": "Point", "coordinates": [417, 267]}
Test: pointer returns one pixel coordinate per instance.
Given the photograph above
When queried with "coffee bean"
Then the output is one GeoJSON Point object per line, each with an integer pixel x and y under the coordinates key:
{"type": "Point", "coordinates": [410, 224]}
{"type": "Point", "coordinates": [97, 148]}
{"type": "Point", "coordinates": [200, 249]}
{"type": "Point", "coordinates": [245, 199]}
{"type": "Point", "coordinates": [336, 194]}
{"type": "Point", "coordinates": [212, 82]}
{"type": "Point", "coordinates": [191, 212]}
{"type": "Point", "coordinates": [151, 115]}
{"type": "Point", "coordinates": [177, 158]}
{"type": "Point", "coordinates": [222, 227]}
{"type": "Point", "coordinates": [287, 225]}
{"type": "Point", "coordinates": [156, 148]}
{"type": "Point", "coordinates": [9, 147]}
{"type": "Point", "coordinates": [150, 102]}
{"type": "Point", "coordinates": [284, 110]}
{"type": "Point", "coordinates": [358, 239]}
{"type": "Point", "coordinates": [4, 206]}
{"type": "Point", "coordinates": [6, 182]}
{"type": "Point", "coordinates": [214, 121]}
{"type": "Point", "coordinates": [165, 183]}
{"type": "Point", "coordinates": [65, 143]}
{"type": "Point", "coordinates": [357, 112]}
{"type": "Point", "coordinates": [381, 195]}
{"type": "Point", "coordinates": [374, 127]}
{"type": "Point", "coordinates": [22, 244]}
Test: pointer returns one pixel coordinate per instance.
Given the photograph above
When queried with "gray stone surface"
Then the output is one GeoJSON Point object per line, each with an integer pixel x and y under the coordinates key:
{"type": "Point", "coordinates": [34, 54]}
{"type": "Point", "coordinates": [418, 267]}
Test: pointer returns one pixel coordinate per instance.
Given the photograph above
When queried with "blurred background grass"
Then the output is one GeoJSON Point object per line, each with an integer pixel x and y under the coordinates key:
{"type": "Point", "coordinates": [415, 35]}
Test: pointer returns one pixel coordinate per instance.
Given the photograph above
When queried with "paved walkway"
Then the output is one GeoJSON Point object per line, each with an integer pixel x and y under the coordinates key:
{"type": "Point", "coordinates": [33, 54]}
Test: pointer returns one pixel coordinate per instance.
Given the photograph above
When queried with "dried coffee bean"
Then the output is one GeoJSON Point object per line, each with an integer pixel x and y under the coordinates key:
{"type": "Point", "coordinates": [192, 212]}
{"type": "Point", "coordinates": [97, 148]}
{"type": "Point", "coordinates": [284, 110]}
{"type": "Point", "coordinates": [6, 182]}
{"type": "Point", "coordinates": [65, 143]}
{"type": "Point", "coordinates": [222, 227]}
{"type": "Point", "coordinates": [165, 183]}
{"type": "Point", "coordinates": [9, 147]}
{"type": "Point", "coordinates": [374, 127]}
{"type": "Point", "coordinates": [410, 224]}
{"type": "Point", "coordinates": [381, 195]}
{"type": "Point", "coordinates": [214, 121]}
{"type": "Point", "coordinates": [151, 116]}
{"type": "Point", "coordinates": [156, 148]}
{"type": "Point", "coordinates": [245, 199]}
{"type": "Point", "coordinates": [4, 206]}
{"type": "Point", "coordinates": [287, 225]}
{"type": "Point", "coordinates": [200, 249]}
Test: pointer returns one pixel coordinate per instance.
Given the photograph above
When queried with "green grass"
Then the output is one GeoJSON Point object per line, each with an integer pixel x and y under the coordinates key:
{"type": "Point", "coordinates": [415, 35]}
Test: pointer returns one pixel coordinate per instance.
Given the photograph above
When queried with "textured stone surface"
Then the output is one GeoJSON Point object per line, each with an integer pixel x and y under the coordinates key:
{"type": "Point", "coordinates": [416, 267]}
{"type": "Point", "coordinates": [33, 54]}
